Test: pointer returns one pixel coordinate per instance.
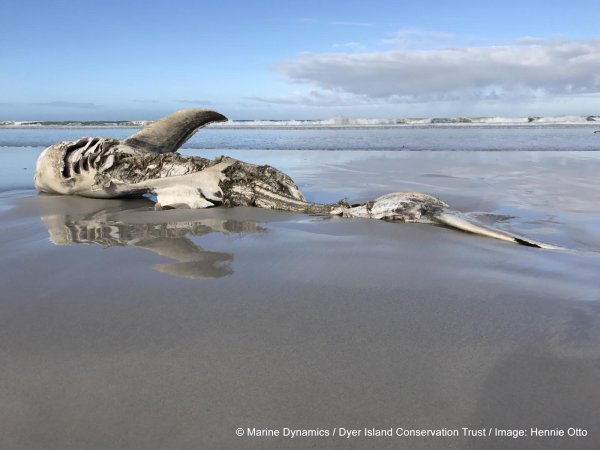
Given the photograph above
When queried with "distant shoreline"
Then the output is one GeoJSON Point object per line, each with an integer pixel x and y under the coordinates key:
{"type": "Point", "coordinates": [336, 122]}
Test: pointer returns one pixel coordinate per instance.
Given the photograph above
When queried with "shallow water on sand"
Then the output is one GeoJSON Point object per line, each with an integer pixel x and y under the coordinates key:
{"type": "Point", "coordinates": [122, 327]}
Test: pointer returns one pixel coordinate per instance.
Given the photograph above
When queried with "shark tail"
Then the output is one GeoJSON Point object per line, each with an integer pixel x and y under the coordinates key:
{"type": "Point", "coordinates": [459, 223]}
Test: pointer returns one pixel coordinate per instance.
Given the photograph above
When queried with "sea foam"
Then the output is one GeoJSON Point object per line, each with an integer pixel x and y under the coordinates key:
{"type": "Point", "coordinates": [334, 122]}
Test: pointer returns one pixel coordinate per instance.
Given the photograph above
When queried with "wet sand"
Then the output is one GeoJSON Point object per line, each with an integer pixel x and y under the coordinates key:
{"type": "Point", "coordinates": [128, 328]}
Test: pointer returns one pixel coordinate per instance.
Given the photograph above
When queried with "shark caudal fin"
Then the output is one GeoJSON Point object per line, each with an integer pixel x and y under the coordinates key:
{"type": "Point", "coordinates": [169, 133]}
{"type": "Point", "coordinates": [455, 221]}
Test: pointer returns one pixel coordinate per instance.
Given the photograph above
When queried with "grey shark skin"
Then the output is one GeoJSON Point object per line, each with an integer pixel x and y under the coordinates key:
{"type": "Point", "coordinates": [148, 163]}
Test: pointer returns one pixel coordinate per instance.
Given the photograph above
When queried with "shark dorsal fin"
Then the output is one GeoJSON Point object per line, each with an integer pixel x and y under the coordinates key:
{"type": "Point", "coordinates": [169, 133]}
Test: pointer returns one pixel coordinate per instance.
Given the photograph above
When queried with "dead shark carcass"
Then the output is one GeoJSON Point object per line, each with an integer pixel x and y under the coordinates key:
{"type": "Point", "coordinates": [148, 163]}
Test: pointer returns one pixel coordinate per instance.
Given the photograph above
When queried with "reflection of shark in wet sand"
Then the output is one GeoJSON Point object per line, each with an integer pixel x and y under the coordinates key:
{"type": "Point", "coordinates": [168, 239]}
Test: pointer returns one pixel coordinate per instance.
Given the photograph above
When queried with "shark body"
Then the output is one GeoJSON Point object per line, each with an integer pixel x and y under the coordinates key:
{"type": "Point", "coordinates": [148, 163]}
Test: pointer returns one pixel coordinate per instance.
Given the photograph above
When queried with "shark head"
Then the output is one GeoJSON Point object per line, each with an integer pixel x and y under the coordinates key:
{"type": "Point", "coordinates": [76, 168]}
{"type": "Point", "coordinates": [71, 167]}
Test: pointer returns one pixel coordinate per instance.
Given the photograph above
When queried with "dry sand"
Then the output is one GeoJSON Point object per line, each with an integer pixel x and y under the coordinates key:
{"type": "Point", "coordinates": [172, 329]}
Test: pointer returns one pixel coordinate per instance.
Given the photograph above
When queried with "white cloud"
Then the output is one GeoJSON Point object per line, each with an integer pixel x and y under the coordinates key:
{"type": "Point", "coordinates": [313, 98]}
{"type": "Point", "coordinates": [350, 46]}
{"type": "Point", "coordinates": [541, 69]}
{"type": "Point", "coordinates": [528, 40]}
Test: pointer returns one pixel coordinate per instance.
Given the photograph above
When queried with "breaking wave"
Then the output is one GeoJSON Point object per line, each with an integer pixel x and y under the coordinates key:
{"type": "Point", "coordinates": [335, 122]}
{"type": "Point", "coordinates": [344, 122]}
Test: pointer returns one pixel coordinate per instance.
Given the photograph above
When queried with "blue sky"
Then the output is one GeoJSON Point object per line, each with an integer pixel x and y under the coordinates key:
{"type": "Point", "coordinates": [107, 59]}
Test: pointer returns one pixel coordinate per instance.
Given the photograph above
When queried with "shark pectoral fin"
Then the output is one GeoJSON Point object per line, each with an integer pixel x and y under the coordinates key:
{"type": "Point", "coordinates": [181, 196]}
{"type": "Point", "coordinates": [455, 221]}
{"type": "Point", "coordinates": [169, 133]}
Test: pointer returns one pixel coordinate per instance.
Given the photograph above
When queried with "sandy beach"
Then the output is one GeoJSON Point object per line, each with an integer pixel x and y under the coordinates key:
{"type": "Point", "coordinates": [126, 328]}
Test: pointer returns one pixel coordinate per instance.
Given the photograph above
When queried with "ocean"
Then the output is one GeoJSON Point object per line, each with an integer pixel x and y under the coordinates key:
{"type": "Point", "coordinates": [296, 135]}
